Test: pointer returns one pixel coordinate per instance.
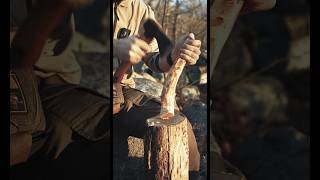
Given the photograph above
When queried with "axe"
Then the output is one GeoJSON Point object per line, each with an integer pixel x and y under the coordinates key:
{"type": "Point", "coordinates": [166, 150]}
{"type": "Point", "coordinates": [153, 29]}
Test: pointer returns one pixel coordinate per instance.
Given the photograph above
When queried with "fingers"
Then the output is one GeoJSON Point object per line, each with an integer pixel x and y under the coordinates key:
{"type": "Point", "coordinates": [195, 43]}
{"type": "Point", "coordinates": [191, 36]}
{"type": "Point", "coordinates": [62, 144]}
{"type": "Point", "coordinates": [59, 136]}
{"type": "Point", "coordinates": [194, 55]}
{"type": "Point", "coordinates": [134, 58]}
{"type": "Point", "coordinates": [188, 47]}
{"type": "Point", "coordinates": [189, 59]}
{"type": "Point", "coordinates": [137, 50]}
{"type": "Point", "coordinates": [142, 45]}
{"type": "Point", "coordinates": [190, 50]}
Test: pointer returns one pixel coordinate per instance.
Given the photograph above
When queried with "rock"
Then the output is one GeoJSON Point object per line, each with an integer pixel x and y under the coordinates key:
{"type": "Point", "coordinates": [142, 68]}
{"type": "Point", "coordinates": [263, 100]}
{"type": "Point", "coordinates": [299, 54]}
{"type": "Point", "coordinates": [143, 75]}
{"type": "Point", "coordinates": [95, 71]}
{"type": "Point", "coordinates": [282, 153]}
{"type": "Point", "coordinates": [128, 161]}
{"type": "Point", "coordinates": [266, 44]}
{"type": "Point", "coordinates": [149, 87]}
{"type": "Point", "coordinates": [196, 112]}
{"type": "Point", "coordinates": [84, 44]}
{"type": "Point", "coordinates": [298, 25]}
{"type": "Point", "coordinates": [235, 60]}
{"type": "Point", "coordinates": [188, 94]}
{"type": "Point", "coordinates": [135, 147]}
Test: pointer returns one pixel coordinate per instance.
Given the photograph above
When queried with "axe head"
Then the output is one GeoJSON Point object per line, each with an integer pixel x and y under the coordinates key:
{"type": "Point", "coordinates": [153, 30]}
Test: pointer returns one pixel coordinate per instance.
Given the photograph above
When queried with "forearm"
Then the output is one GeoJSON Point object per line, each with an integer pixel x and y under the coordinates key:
{"type": "Point", "coordinates": [20, 147]}
{"type": "Point", "coordinates": [157, 63]}
{"type": "Point", "coordinates": [30, 38]}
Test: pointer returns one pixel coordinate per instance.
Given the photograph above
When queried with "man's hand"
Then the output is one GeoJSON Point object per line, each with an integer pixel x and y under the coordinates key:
{"type": "Point", "coordinates": [258, 5]}
{"type": "Point", "coordinates": [188, 49]}
{"type": "Point", "coordinates": [59, 137]}
{"type": "Point", "coordinates": [131, 49]}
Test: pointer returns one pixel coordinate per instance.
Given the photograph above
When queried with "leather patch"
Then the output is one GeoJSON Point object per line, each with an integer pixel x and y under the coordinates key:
{"type": "Point", "coordinates": [17, 97]}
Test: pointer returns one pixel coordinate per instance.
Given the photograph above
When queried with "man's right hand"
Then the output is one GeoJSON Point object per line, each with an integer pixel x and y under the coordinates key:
{"type": "Point", "coordinates": [131, 49]}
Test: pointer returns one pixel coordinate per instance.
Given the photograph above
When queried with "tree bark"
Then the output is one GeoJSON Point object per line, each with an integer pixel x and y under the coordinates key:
{"type": "Point", "coordinates": [166, 149]}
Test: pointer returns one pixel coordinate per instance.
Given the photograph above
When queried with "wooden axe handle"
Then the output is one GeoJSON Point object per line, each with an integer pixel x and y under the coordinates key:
{"type": "Point", "coordinates": [168, 95]}
{"type": "Point", "coordinates": [224, 14]}
{"type": "Point", "coordinates": [121, 71]}
{"type": "Point", "coordinates": [27, 45]}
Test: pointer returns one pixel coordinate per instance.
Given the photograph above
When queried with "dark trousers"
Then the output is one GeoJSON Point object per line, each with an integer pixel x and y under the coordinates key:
{"type": "Point", "coordinates": [132, 122]}
{"type": "Point", "coordinates": [80, 160]}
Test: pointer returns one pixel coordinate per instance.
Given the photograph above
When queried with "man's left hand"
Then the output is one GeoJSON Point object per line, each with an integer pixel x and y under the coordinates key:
{"type": "Point", "coordinates": [188, 49]}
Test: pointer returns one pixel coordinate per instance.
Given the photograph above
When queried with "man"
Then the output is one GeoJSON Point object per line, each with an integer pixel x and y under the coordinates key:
{"type": "Point", "coordinates": [129, 16]}
{"type": "Point", "coordinates": [221, 169]}
{"type": "Point", "coordinates": [59, 129]}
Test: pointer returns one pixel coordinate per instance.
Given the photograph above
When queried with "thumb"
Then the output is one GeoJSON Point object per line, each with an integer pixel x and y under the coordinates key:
{"type": "Point", "coordinates": [191, 36]}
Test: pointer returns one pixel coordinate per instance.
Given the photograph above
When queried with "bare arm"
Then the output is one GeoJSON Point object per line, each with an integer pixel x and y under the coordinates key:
{"type": "Point", "coordinates": [31, 36]}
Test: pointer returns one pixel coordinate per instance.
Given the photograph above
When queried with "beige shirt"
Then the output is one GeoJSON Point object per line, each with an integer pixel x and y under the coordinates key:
{"type": "Point", "coordinates": [64, 65]}
{"type": "Point", "coordinates": [131, 14]}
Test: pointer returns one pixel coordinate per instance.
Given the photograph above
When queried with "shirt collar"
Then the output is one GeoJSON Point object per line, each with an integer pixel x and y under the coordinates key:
{"type": "Point", "coordinates": [125, 3]}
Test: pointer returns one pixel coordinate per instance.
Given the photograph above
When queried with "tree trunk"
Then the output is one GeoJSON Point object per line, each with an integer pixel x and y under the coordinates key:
{"type": "Point", "coordinates": [166, 148]}
{"type": "Point", "coordinates": [164, 12]}
{"type": "Point", "coordinates": [175, 21]}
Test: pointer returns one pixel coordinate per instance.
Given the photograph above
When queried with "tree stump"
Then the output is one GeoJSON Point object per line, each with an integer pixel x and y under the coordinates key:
{"type": "Point", "coordinates": [166, 148]}
{"type": "Point", "coordinates": [166, 142]}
